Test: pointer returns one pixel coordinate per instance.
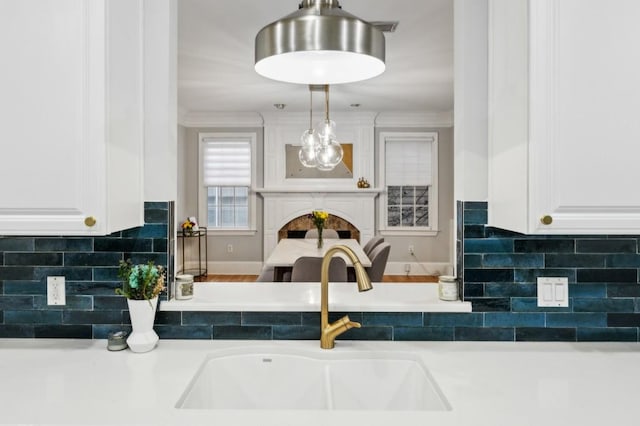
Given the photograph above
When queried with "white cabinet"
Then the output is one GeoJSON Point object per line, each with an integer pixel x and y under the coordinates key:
{"type": "Point", "coordinates": [72, 116]}
{"type": "Point", "coordinates": [564, 123]}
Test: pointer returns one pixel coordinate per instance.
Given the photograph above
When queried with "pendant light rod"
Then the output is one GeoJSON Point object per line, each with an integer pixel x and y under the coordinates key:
{"type": "Point", "coordinates": [326, 102]}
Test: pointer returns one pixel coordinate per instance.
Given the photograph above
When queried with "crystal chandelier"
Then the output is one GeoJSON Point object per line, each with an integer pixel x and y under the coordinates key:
{"type": "Point", "coordinates": [319, 148]}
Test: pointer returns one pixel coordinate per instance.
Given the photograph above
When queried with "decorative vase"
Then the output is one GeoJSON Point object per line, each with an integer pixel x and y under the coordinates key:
{"type": "Point", "coordinates": [142, 312]}
{"type": "Point", "coordinates": [320, 242]}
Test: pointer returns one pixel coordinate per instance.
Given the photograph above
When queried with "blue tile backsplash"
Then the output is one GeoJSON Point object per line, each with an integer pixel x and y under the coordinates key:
{"type": "Point", "coordinates": [498, 271]}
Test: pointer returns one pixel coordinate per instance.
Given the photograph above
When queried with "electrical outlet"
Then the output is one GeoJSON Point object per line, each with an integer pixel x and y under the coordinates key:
{"type": "Point", "coordinates": [411, 249]}
{"type": "Point", "coordinates": [407, 267]}
{"type": "Point", "coordinates": [56, 291]}
{"type": "Point", "coordinates": [229, 248]}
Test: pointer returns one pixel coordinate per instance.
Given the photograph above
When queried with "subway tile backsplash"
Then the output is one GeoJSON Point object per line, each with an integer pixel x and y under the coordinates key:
{"type": "Point", "coordinates": [498, 268]}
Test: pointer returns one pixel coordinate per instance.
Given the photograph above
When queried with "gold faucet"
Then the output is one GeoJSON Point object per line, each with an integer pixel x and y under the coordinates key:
{"type": "Point", "coordinates": [329, 332]}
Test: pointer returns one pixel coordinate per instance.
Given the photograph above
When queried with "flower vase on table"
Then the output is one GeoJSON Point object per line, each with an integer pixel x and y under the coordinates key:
{"type": "Point", "coordinates": [319, 217]}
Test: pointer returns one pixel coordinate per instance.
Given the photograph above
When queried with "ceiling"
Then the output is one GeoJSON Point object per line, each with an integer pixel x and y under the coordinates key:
{"type": "Point", "coordinates": [215, 58]}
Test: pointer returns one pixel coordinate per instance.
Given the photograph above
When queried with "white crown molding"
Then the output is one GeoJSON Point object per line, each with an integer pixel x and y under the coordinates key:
{"type": "Point", "coordinates": [220, 119]}
{"type": "Point", "coordinates": [280, 118]}
{"type": "Point", "coordinates": [414, 119]}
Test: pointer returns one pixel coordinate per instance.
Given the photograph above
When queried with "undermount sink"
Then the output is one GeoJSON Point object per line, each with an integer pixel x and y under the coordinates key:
{"type": "Point", "coordinates": [307, 380]}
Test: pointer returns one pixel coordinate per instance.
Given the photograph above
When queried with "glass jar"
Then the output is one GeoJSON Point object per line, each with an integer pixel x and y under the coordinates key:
{"type": "Point", "coordinates": [448, 287]}
{"type": "Point", "coordinates": [184, 287]}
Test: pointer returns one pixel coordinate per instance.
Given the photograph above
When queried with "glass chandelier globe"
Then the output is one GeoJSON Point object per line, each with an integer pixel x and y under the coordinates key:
{"type": "Point", "coordinates": [307, 153]}
{"type": "Point", "coordinates": [328, 155]}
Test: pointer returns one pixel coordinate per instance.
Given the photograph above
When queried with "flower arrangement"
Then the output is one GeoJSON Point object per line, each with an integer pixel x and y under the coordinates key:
{"type": "Point", "coordinates": [319, 217]}
{"type": "Point", "coordinates": [187, 226]}
{"type": "Point", "coordinates": [140, 282]}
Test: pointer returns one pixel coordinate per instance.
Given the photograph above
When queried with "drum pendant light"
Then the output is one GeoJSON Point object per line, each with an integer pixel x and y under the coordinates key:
{"type": "Point", "coordinates": [320, 44]}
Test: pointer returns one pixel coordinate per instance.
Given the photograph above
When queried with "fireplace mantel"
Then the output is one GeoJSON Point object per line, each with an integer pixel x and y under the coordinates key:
{"type": "Point", "coordinates": [282, 205]}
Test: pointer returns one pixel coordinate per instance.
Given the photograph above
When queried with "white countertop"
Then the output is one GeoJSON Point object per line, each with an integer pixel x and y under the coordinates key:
{"type": "Point", "coordinates": [487, 383]}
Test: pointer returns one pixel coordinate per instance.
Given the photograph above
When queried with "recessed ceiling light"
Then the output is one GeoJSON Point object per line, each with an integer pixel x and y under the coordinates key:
{"type": "Point", "coordinates": [279, 106]}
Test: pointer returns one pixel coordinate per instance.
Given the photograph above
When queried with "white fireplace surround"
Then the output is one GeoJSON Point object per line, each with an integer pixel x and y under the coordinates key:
{"type": "Point", "coordinates": [355, 206]}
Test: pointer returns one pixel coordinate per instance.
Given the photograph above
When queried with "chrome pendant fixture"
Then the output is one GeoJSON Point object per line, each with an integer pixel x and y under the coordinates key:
{"type": "Point", "coordinates": [320, 44]}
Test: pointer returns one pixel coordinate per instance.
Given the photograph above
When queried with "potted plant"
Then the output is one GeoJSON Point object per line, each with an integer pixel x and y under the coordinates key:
{"type": "Point", "coordinates": [141, 285]}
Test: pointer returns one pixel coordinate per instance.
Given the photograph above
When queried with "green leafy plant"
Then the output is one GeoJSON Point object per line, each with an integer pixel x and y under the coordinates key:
{"type": "Point", "coordinates": [140, 282]}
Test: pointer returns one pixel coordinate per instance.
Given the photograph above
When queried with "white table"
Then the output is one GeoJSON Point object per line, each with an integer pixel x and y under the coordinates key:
{"type": "Point", "coordinates": [289, 250]}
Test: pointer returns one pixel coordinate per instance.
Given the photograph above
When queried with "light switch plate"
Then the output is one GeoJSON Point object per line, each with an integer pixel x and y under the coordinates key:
{"type": "Point", "coordinates": [56, 294]}
{"type": "Point", "coordinates": [553, 291]}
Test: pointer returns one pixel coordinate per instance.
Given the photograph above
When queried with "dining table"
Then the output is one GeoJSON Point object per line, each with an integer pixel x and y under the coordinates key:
{"type": "Point", "coordinates": [288, 250]}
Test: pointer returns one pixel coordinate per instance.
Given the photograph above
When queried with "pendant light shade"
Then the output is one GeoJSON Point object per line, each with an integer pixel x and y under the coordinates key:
{"type": "Point", "coordinates": [320, 44]}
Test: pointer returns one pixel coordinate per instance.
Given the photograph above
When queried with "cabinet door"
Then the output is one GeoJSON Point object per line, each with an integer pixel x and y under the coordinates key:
{"type": "Point", "coordinates": [564, 127]}
{"type": "Point", "coordinates": [56, 153]}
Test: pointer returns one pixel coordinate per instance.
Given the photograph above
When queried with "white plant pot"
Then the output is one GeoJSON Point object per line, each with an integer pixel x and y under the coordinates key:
{"type": "Point", "coordinates": [142, 312]}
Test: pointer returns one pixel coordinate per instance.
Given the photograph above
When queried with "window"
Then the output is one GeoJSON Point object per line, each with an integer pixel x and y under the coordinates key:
{"type": "Point", "coordinates": [409, 174]}
{"type": "Point", "coordinates": [227, 170]}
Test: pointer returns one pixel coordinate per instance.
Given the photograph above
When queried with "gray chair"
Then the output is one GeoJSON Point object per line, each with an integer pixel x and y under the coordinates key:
{"type": "Point", "coordinates": [371, 244]}
{"type": "Point", "coordinates": [378, 257]}
{"type": "Point", "coordinates": [308, 269]}
{"type": "Point", "coordinates": [266, 275]}
{"type": "Point", "coordinates": [326, 233]}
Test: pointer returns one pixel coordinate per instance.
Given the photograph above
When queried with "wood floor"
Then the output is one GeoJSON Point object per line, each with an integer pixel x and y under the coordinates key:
{"type": "Point", "coordinates": [386, 278]}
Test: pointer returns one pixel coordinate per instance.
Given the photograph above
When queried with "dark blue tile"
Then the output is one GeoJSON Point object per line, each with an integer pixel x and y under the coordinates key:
{"type": "Point", "coordinates": [295, 332]}
{"type": "Point", "coordinates": [475, 205]}
{"type": "Point", "coordinates": [123, 244]}
{"type": "Point", "coordinates": [494, 334]}
{"type": "Point", "coordinates": [211, 318]}
{"type": "Point", "coordinates": [64, 244]}
{"type": "Point", "coordinates": [112, 302]}
{"type": "Point", "coordinates": [543, 246]}
{"type": "Point", "coordinates": [472, 260]}
{"type": "Point", "coordinates": [623, 261]}
{"type": "Point", "coordinates": [168, 318]}
{"type": "Point", "coordinates": [70, 273]}
{"type": "Point", "coordinates": [11, 331]}
{"type": "Point", "coordinates": [488, 275]}
{"type": "Point", "coordinates": [152, 215]}
{"type": "Point", "coordinates": [607, 276]}
{"type": "Point", "coordinates": [368, 333]}
{"type": "Point", "coordinates": [454, 319]}
{"type": "Point", "coordinates": [156, 258]}
{"type": "Point", "coordinates": [17, 273]}
{"type": "Point", "coordinates": [580, 319]}
{"type": "Point", "coordinates": [531, 275]}
{"type": "Point", "coordinates": [509, 319]}
{"type": "Point", "coordinates": [510, 290]}
{"type": "Point", "coordinates": [313, 318]}
{"type": "Point", "coordinates": [184, 332]}
{"type": "Point", "coordinates": [33, 259]}
{"type": "Point", "coordinates": [597, 290]}
{"type": "Point", "coordinates": [473, 290]}
{"type": "Point", "coordinates": [489, 245]}
{"type": "Point", "coordinates": [603, 305]}
{"type": "Point", "coordinates": [160, 205]}
{"type": "Point", "coordinates": [16, 302]}
{"type": "Point", "coordinates": [622, 290]}
{"type": "Point", "coordinates": [92, 287]}
{"type": "Point", "coordinates": [106, 274]}
{"type": "Point", "coordinates": [490, 304]}
{"type": "Point", "coordinates": [607, 246]}
{"type": "Point", "coordinates": [147, 231]}
{"type": "Point", "coordinates": [474, 231]}
{"type": "Point", "coordinates": [491, 232]}
{"type": "Point", "coordinates": [92, 259]}
{"type": "Point", "coordinates": [623, 320]}
{"type": "Point", "coordinates": [513, 260]}
{"type": "Point", "coordinates": [530, 304]}
{"type": "Point", "coordinates": [16, 244]}
{"type": "Point", "coordinates": [32, 317]}
{"type": "Point", "coordinates": [607, 334]}
{"type": "Point", "coordinates": [92, 317]}
{"type": "Point", "coordinates": [242, 332]}
{"type": "Point", "coordinates": [160, 245]}
{"type": "Point", "coordinates": [25, 287]}
{"type": "Point", "coordinates": [63, 331]}
{"type": "Point", "coordinates": [423, 333]}
{"type": "Point", "coordinates": [528, 334]}
{"type": "Point", "coordinates": [574, 261]}
{"type": "Point", "coordinates": [475, 217]}
{"type": "Point", "coordinates": [271, 318]}
{"type": "Point", "coordinates": [392, 318]}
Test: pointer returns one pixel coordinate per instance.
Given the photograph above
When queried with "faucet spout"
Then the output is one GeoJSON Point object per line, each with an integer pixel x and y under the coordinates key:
{"type": "Point", "coordinates": [329, 332]}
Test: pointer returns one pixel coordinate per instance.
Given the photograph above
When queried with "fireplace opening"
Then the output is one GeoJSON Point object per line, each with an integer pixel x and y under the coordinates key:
{"type": "Point", "coordinates": [298, 227]}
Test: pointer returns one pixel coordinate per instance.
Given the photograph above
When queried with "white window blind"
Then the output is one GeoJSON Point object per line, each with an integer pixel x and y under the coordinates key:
{"type": "Point", "coordinates": [226, 163]}
{"type": "Point", "coordinates": [408, 162]}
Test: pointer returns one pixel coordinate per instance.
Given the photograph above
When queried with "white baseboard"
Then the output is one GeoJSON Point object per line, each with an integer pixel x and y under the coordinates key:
{"type": "Point", "coordinates": [393, 268]}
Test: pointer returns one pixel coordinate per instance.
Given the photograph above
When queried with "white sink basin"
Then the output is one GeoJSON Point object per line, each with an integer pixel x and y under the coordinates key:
{"type": "Point", "coordinates": [308, 380]}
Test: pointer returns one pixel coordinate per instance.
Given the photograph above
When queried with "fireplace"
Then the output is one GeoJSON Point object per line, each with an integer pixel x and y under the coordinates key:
{"type": "Point", "coordinates": [352, 210]}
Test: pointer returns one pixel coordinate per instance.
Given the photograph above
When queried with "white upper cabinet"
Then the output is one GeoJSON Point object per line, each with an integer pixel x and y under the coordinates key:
{"type": "Point", "coordinates": [72, 116]}
{"type": "Point", "coordinates": [564, 116]}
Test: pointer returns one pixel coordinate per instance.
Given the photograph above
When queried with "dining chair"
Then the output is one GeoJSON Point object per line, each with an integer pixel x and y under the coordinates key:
{"type": "Point", "coordinates": [378, 257]}
{"type": "Point", "coordinates": [308, 269]}
{"type": "Point", "coordinates": [326, 233]}
{"type": "Point", "coordinates": [371, 244]}
{"type": "Point", "coordinates": [266, 275]}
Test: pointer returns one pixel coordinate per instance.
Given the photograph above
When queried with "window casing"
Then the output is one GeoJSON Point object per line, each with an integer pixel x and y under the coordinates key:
{"type": "Point", "coordinates": [409, 176]}
{"type": "Point", "coordinates": [227, 165]}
